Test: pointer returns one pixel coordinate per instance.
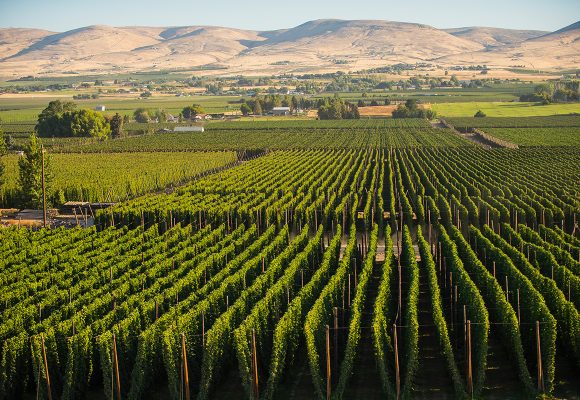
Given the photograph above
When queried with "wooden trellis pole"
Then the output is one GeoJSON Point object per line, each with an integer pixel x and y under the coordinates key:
{"type": "Point", "coordinates": [115, 362]}
{"type": "Point", "coordinates": [45, 361]}
{"type": "Point", "coordinates": [539, 354]}
{"type": "Point", "coordinates": [397, 373]}
{"type": "Point", "coordinates": [328, 372]}
{"type": "Point", "coordinates": [469, 370]}
{"type": "Point", "coordinates": [184, 367]}
{"type": "Point", "coordinates": [255, 367]}
{"type": "Point", "coordinates": [335, 312]}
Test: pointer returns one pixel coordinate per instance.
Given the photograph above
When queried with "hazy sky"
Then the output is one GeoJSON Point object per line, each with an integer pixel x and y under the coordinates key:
{"type": "Point", "coordinates": [61, 15]}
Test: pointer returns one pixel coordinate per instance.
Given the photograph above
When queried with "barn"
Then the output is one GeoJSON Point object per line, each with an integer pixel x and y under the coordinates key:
{"type": "Point", "coordinates": [281, 111]}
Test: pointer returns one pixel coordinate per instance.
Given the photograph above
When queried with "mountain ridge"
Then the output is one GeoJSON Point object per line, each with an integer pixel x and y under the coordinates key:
{"type": "Point", "coordinates": [318, 45]}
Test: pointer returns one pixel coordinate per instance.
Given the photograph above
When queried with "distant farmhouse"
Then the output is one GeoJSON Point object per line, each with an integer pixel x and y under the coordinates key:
{"type": "Point", "coordinates": [100, 108]}
{"type": "Point", "coordinates": [201, 117]}
{"type": "Point", "coordinates": [281, 111]}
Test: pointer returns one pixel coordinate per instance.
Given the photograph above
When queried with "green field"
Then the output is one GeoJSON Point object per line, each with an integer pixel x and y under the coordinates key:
{"type": "Point", "coordinates": [451, 95]}
{"type": "Point", "coordinates": [12, 110]}
{"type": "Point", "coordinates": [538, 136]}
{"type": "Point", "coordinates": [245, 280]}
{"type": "Point", "coordinates": [116, 176]}
{"type": "Point", "coordinates": [516, 122]}
{"type": "Point", "coordinates": [503, 109]}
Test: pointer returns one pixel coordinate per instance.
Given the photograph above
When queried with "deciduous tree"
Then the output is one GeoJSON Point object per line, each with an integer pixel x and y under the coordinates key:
{"type": "Point", "coordinates": [191, 111]}
{"type": "Point", "coordinates": [90, 123]}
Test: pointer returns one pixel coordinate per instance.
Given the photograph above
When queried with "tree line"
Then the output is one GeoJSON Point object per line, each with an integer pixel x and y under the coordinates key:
{"type": "Point", "coordinates": [554, 92]}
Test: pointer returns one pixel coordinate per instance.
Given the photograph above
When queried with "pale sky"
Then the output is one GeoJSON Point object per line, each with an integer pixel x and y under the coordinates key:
{"type": "Point", "coordinates": [62, 15]}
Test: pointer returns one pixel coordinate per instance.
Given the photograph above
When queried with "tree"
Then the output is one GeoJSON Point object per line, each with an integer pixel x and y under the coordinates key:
{"type": "Point", "coordinates": [338, 109]}
{"type": "Point", "coordinates": [411, 104]}
{"type": "Point", "coordinates": [258, 107]}
{"type": "Point", "coordinates": [404, 111]}
{"type": "Point", "coordinates": [3, 151]}
{"type": "Point", "coordinates": [90, 123]}
{"type": "Point", "coordinates": [374, 103]}
{"type": "Point", "coordinates": [245, 109]}
{"type": "Point", "coordinates": [54, 120]}
{"type": "Point", "coordinates": [30, 174]}
{"type": "Point", "coordinates": [190, 112]}
{"type": "Point", "coordinates": [116, 124]}
{"type": "Point", "coordinates": [141, 115]}
{"type": "Point", "coordinates": [294, 103]}
{"type": "Point", "coordinates": [160, 115]}
{"type": "Point", "coordinates": [480, 114]}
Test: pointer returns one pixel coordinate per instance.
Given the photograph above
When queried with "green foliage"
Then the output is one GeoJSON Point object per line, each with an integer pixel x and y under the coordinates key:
{"type": "Point", "coordinates": [63, 120]}
{"type": "Point", "coordinates": [90, 123]}
{"type": "Point", "coordinates": [555, 91]}
{"type": "Point", "coordinates": [30, 175]}
{"type": "Point", "coordinates": [411, 110]}
{"type": "Point", "coordinates": [357, 309]}
{"type": "Point", "coordinates": [55, 119]}
{"type": "Point", "coordinates": [409, 355]}
{"type": "Point", "coordinates": [337, 108]}
{"type": "Point", "coordinates": [566, 314]}
{"type": "Point", "coordinates": [429, 271]}
{"type": "Point", "coordinates": [245, 109]}
{"type": "Point", "coordinates": [319, 315]}
{"type": "Point", "coordinates": [3, 151]}
{"type": "Point", "coordinates": [98, 177]}
{"type": "Point", "coordinates": [480, 114]}
{"type": "Point", "coordinates": [190, 112]}
{"type": "Point", "coordinates": [382, 319]}
{"type": "Point", "coordinates": [141, 115]}
{"type": "Point", "coordinates": [470, 296]}
{"type": "Point", "coordinates": [533, 306]}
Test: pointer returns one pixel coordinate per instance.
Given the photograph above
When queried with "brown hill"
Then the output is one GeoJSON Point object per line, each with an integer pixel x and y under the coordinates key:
{"type": "Point", "coordinates": [553, 51]}
{"type": "Point", "coordinates": [14, 40]}
{"type": "Point", "coordinates": [322, 45]}
{"type": "Point", "coordinates": [494, 36]}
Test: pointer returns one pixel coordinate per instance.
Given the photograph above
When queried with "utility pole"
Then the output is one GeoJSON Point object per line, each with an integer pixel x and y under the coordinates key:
{"type": "Point", "coordinates": [43, 189]}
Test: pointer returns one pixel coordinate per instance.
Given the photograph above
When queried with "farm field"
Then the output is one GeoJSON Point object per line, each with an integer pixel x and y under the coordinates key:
{"type": "Point", "coordinates": [258, 201]}
{"type": "Point", "coordinates": [526, 131]}
{"type": "Point", "coordinates": [288, 134]}
{"type": "Point", "coordinates": [517, 122]}
{"type": "Point", "coordinates": [27, 109]}
{"type": "Point", "coordinates": [503, 109]}
{"type": "Point", "coordinates": [264, 277]}
{"type": "Point", "coordinates": [538, 136]}
{"type": "Point", "coordinates": [116, 176]}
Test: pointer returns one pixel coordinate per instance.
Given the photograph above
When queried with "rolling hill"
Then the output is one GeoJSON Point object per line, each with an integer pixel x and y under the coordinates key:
{"type": "Point", "coordinates": [315, 46]}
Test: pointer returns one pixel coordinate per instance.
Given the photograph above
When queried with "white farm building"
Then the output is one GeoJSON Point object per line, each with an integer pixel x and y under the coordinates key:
{"type": "Point", "coordinates": [188, 129]}
{"type": "Point", "coordinates": [281, 111]}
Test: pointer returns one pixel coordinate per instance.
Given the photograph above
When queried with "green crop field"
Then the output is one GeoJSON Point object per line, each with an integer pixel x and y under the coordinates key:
{"type": "Point", "coordinates": [116, 176]}
{"type": "Point", "coordinates": [27, 109]}
{"type": "Point", "coordinates": [503, 109]}
{"type": "Point", "coordinates": [517, 122]}
{"type": "Point", "coordinates": [301, 259]}
{"type": "Point", "coordinates": [538, 136]}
